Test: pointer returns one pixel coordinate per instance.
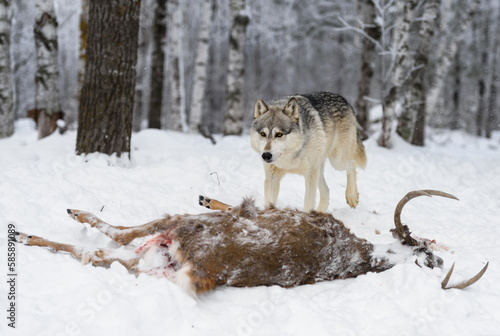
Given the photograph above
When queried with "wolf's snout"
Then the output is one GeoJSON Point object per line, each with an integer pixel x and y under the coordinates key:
{"type": "Point", "coordinates": [266, 156]}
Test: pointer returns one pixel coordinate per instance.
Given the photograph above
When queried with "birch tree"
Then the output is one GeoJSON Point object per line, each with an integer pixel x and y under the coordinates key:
{"type": "Point", "coordinates": [107, 98]}
{"type": "Point", "coordinates": [446, 55]}
{"type": "Point", "coordinates": [200, 66]}
{"type": "Point", "coordinates": [399, 65]}
{"type": "Point", "coordinates": [47, 73]}
{"type": "Point", "coordinates": [6, 96]}
{"type": "Point", "coordinates": [366, 12]}
{"type": "Point", "coordinates": [176, 116]}
{"type": "Point", "coordinates": [157, 64]}
{"type": "Point", "coordinates": [411, 123]}
{"type": "Point", "coordinates": [233, 120]}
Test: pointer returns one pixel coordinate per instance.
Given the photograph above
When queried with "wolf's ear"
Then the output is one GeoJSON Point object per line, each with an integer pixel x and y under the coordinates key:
{"type": "Point", "coordinates": [260, 108]}
{"type": "Point", "coordinates": [292, 109]}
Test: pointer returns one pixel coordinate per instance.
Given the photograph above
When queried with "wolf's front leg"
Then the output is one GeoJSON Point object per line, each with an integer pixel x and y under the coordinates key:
{"type": "Point", "coordinates": [324, 193]}
{"type": "Point", "coordinates": [312, 181]}
{"type": "Point", "coordinates": [272, 183]}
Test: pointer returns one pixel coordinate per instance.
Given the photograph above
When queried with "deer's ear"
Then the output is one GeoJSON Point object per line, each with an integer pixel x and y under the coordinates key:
{"type": "Point", "coordinates": [260, 108]}
{"type": "Point", "coordinates": [292, 109]}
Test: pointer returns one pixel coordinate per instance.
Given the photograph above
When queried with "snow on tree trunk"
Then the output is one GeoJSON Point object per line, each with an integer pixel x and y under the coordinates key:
{"type": "Point", "coordinates": [107, 97]}
{"type": "Point", "coordinates": [411, 123]}
{"type": "Point", "coordinates": [47, 72]}
{"type": "Point", "coordinates": [6, 97]}
{"type": "Point", "coordinates": [157, 65]}
{"type": "Point", "coordinates": [233, 119]}
{"type": "Point", "coordinates": [200, 67]}
{"type": "Point", "coordinates": [445, 58]}
{"type": "Point", "coordinates": [399, 65]}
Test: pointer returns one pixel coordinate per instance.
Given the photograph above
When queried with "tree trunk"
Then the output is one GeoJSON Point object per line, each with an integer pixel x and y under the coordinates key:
{"type": "Point", "coordinates": [6, 97]}
{"type": "Point", "coordinates": [47, 72]}
{"type": "Point", "coordinates": [176, 116]}
{"type": "Point", "coordinates": [107, 99]}
{"type": "Point", "coordinates": [200, 67]}
{"type": "Point", "coordinates": [400, 63]}
{"type": "Point", "coordinates": [411, 123]}
{"type": "Point", "coordinates": [482, 81]}
{"type": "Point", "coordinates": [233, 120]}
{"type": "Point", "coordinates": [492, 118]}
{"type": "Point", "coordinates": [445, 57]}
{"type": "Point", "coordinates": [366, 12]}
{"type": "Point", "coordinates": [455, 112]}
{"type": "Point", "coordinates": [157, 64]}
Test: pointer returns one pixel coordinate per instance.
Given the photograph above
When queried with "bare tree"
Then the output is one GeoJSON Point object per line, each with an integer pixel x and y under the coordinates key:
{"type": "Point", "coordinates": [411, 123]}
{"type": "Point", "coordinates": [200, 66]}
{"type": "Point", "coordinates": [233, 120]}
{"type": "Point", "coordinates": [157, 64]}
{"type": "Point", "coordinates": [107, 98]}
{"type": "Point", "coordinates": [366, 12]}
{"type": "Point", "coordinates": [399, 65]}
{"type": "Point", "coordinates": [47, 74]}
{"type": "Point", "coordinates": [6, 96]}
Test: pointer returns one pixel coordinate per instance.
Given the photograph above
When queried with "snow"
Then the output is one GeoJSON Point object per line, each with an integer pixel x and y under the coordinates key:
{"type": "Point", "coordinates": [56, 295]}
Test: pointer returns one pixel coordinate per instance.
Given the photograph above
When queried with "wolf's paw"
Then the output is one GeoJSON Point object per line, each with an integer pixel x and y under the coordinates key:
{"type": "Point", "coordinates": [352, 199]}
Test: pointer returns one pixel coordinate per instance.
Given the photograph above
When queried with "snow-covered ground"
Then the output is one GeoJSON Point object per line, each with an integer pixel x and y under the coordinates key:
{"type": "Point", "coordinates": [56, 295]}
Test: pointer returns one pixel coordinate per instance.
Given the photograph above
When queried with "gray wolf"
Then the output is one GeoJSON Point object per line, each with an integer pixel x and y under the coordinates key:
{"type": "Point", "coordinates": [296, 134]}
{"type": "Point", "coordinates": [245, 246]}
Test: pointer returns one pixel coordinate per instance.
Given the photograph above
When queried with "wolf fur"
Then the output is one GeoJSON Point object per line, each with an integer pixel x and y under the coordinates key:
{"type": "Point", "coordinates": [296, 134]}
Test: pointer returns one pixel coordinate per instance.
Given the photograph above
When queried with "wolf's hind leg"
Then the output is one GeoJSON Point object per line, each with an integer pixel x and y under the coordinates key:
{"type": "Point", "coordinates": [123, 235]}
{"type": "Point", "coordinates": [351, 192]}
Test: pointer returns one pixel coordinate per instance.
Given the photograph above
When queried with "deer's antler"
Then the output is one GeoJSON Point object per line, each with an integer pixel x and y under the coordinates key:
{"type": "Point", "coordinates": [402, 232]}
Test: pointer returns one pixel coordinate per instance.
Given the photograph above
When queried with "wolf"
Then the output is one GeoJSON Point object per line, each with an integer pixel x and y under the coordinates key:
{"type": "Point", "coordinates": [296, 134]}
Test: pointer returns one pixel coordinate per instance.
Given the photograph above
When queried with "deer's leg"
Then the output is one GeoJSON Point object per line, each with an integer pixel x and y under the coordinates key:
{"type": "Point", "coordinates": [213, 204]}
{"type": "Point", "coordinates": [120, 234]}
{"type": "Point", "coordinates": [97, 257]}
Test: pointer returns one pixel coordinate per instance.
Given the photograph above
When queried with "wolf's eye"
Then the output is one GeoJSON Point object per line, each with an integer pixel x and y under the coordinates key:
{"type": "Point", "coordinates": [263, 134]}
{"type": "Point", "coordinates": [279, 135]}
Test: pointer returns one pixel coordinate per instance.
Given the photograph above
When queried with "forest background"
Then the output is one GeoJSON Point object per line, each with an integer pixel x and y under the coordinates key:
{"type": "Point", "coordinates": [199, 65]}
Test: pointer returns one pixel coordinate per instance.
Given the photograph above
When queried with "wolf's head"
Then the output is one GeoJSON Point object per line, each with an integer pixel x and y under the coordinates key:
{"type": "Point", "coordinates": [275, 129]}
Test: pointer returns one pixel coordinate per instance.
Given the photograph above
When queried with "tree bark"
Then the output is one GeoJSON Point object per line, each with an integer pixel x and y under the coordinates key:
{"type": "Point", "coordinates": [492, 118]}
{"type": "Point", "coordinates": [6, 89]}
{"type": "Point", "coordinates": [157, 64]}
{"type": "Point", "coordinates": [366, 12]}
{"type": "Point", "coordinates": [200, 67]}
{"type": "Point", "coordinates": [47, 73]}
{"type": "Point", "coordinates": [445, 57]}
{"type": "Point", "coordinates": [400, 63]}
{"type": "Point", "coordinates": [176, 116]}
{"type": "Point", "coordinates": [455, 112]}
{"type": "Point", "coordinates": [233, 120]}
{"type": "Point", "coordinates": [481, 106]}
{"type": "Point", "coordinates": [107, 99]}
{"type": "Point", "coordinates": [411, 123]}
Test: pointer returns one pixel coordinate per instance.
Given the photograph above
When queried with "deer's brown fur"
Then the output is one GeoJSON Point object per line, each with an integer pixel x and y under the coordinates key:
{"type": "Point", "coordinates": [246, 246]}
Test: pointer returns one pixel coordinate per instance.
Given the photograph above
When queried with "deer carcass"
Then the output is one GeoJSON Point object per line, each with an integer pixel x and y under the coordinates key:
{"type": "Point", "coordinates": [246, 246]}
